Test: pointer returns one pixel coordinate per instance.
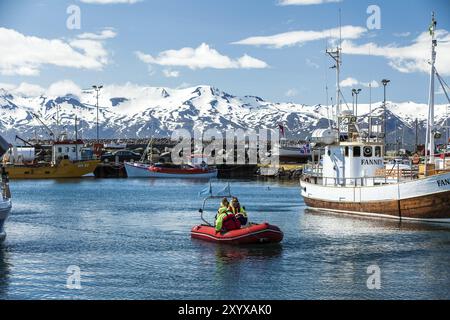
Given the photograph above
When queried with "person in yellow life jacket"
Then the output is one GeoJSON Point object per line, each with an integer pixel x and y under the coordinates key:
{"type": "Point", "coordinates": [238, 211]}
{"type": "Point", "coordinates": [226, 220]}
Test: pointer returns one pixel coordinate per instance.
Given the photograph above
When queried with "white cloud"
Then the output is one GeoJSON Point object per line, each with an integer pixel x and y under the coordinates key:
{"type": "Point", "coordinates": [299, 37]}
{"type": "Point", "coordinates": [402, 34]}
{"type": "Point", "coordinates": [410, 58]}
{"type": "Point", "coordinates": [200, 58]}
{"type": "Point", "coordinates": [64, 87]}
{"type": "Point", "coordinates": [352, 82]}
{"type": "Point", "coordinates": [291, 93]}
{"type": "Point", "coordinates": [312, 64]}
{"type": "Point", "coordinates": [171, 73]}
{"type": "Point", "coordinates": [26, 55]}
{"type": "Point", "coordinates": [103, 35]}
{"type": "Point", "coordinates": [28, 89]}
{"type": "Point", "coordinates": [110, 1]}
{"type": "Point", "coordinates": [7, 86]}
{"type": "Point", "coordinates": [349, 82]}
{"type": "Point", "coordinates": [304, 2]}
{"type": "Point", "coordinates": [59, 88]}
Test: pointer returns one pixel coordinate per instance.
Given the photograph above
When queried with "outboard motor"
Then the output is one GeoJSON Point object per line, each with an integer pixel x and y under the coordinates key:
{"type": "Point", "coordinates": [4, 146]}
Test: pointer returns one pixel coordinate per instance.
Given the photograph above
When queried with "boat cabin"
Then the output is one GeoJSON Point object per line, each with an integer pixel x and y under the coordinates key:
{"type": "Point", "coordinates": [69, 149]}
{"type": "Point", "coordinates": [352, 163]}
{"type": "Point", "coordinates": [349, 156]}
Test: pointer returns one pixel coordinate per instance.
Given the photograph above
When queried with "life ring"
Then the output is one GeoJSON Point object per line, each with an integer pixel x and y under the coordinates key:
{"type": "Point", "coordinates": [416, 159]}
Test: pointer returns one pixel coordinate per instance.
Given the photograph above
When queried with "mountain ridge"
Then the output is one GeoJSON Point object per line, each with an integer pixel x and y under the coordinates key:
{"type": "Point", "coordinates": [140, 112]}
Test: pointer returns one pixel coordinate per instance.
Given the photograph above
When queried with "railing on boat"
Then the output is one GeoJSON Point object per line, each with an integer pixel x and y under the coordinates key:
{"type": "Point", "coordinates": [314, 175]}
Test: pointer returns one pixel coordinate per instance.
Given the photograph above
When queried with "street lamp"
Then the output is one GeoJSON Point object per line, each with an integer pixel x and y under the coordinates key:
{"type": "Point", "coordinates": [355, 93]}
{"type": "Point", "coordinates": [385, 82]}
{"type": "Point", "coordinates": [97, 90]}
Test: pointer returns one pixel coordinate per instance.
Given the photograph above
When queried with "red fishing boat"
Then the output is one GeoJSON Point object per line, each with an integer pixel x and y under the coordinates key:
{"type": "Point", "coordinates": [159, 170]}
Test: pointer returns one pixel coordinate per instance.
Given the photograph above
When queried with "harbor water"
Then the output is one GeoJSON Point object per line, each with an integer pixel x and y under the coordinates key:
{"type": "Point", "coordinates": [130, 239]}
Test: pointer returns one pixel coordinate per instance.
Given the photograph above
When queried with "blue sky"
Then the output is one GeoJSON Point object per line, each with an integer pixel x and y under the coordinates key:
{"type": "Point", "coordinates": [141, 33]}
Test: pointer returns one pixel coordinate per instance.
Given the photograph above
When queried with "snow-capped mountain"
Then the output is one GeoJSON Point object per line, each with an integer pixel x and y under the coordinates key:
{"type": "Point", "coordinates": [139, 112]}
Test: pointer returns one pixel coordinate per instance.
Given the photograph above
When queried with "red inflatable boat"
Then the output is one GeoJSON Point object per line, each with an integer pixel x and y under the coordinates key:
{"type": "Point", "coordinates": [253, 234]}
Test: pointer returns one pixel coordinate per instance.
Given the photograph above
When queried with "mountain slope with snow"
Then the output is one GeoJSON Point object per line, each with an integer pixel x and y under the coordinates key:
{"type": "Point", "coordinates": [140, 112]}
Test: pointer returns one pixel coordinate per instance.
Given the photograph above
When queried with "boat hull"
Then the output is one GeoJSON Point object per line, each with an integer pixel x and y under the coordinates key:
{"type": "Point", "coordinates": [5, 208]}
{"type": "Point", "coordinates": [65, 169]}
{"type": "Point", "coordinates": [293, 154]}
{"type": "Point", "coordinates": [135, 170]}
{"type": "Point", "coordinates": [254, 234]}
{"type": "Point", "coordinates": [423, 200]}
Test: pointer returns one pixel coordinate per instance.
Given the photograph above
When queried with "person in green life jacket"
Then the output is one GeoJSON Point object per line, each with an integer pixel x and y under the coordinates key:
{"type": "Point", "coordinates": [226, 220]}
{"type": "Point", "coordinates": [238, 211]}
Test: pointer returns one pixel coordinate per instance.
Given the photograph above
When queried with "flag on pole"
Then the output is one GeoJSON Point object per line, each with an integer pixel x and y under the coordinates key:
{"type": "Point", "coordinates": [225, 192]}
{"type": "Point", "coordinates": [207, 191]}
{"type": "Point", "coordinates": [281, 129]}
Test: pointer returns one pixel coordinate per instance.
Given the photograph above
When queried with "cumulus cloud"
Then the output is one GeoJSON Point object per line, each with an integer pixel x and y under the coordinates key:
{"type": "Point", "coordinates": [349, 82]}
{"type": "Point", "coordinates": [352, 82]}
{"type": "Point", "coordinates": [300, 37]}
{"type": "Point", "coordinates": [7, 86]}
{"type": "Point", "coordinates": [28, 89]}
{"type": "Point", "coordinates": [63, 88]}
{"type": "Point", "coordinates": [304, 2]}
{"type": "Point", "coordinates": [103, 35]}
{"type": "Point", "coordinates": [26, 55]}
{"type": "Point", "coordinates": [410, 58]}
{"type": "Point", "coordinates": [200, 58]}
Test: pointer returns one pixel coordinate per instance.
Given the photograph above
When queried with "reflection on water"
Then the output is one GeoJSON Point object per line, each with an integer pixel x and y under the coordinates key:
{"type": "Point", "coordinates": [394, 224]}
{"type": "Point", "coordinates": [4, 270]}
{"type": "Point", "coordinates": [131, 240]}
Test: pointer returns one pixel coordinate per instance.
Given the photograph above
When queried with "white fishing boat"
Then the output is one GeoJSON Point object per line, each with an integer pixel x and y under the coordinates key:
{"type": "Point", "coordinates": [351, 177]}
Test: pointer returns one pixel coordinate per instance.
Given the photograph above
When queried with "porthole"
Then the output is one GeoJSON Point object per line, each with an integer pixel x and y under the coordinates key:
{"type": "Point", "coordinates": [368, 152]}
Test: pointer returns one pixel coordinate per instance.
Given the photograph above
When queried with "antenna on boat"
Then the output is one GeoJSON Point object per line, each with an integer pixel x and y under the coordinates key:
{"type": "Point", "coordinates": [430, 142]}
{"type": "Point", "coordinates": [336, 56]}
{"type": "Point", "coordinates": [330, 115]}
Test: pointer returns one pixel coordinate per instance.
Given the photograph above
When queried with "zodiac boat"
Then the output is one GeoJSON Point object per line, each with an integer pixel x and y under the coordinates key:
{"type": "Point", "coordinates": [253, 233]}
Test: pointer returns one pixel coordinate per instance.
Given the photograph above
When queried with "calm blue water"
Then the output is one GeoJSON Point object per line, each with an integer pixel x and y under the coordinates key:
{"type": "Point", "coordinates": [131, 240]}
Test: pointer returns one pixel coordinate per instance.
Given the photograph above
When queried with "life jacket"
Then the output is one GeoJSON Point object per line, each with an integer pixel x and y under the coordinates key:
{"type": "Point", "coordinates": [230, 223]}
{"type": "Point", "coordinates": [238, 211]}
{"type": "Point", "coordinates": [234, 210]}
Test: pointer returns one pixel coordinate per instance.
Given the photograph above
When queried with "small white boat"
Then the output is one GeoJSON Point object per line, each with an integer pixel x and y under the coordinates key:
{"type": "Point", "coordinates": [160, 170]}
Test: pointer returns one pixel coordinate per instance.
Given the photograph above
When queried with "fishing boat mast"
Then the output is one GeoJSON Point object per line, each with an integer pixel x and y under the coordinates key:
{"type": "Point", "coordinates": [430, 139]}
{"type": "Point", "coordinates": [336, 56]}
